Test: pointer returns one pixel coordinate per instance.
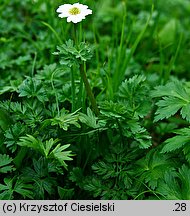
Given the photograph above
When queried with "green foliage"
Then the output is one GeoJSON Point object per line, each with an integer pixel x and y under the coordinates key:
{"type": "Point", "coordinates": [175, 186]}
{"type": "Point", "coordinates": [65, 193]}
{"type": "Point", "coordinates": [40, 178]}
{"type": "Point", "coordinates": [48, 149]}
{"type": "Point", "coordinates": [175, 100]}
{"type": "Point", "coordinates": [14, 186]}
{"type": "Point", "coordinates": [5, 166]}
{"type": "Point", "coordinates": [5, 120]}
{"type": "Point", "coordinates": [71, 54]}
{"type": "Point", "coordinates": [112, 177]}
{"type": "Point", "coordinates": [134, 94]}
{"type": "Point", "coordinates": [168, 32]}
{"type": "Point", "coordinates": [175, 97]}
{"type": "Point", "coordinates": [180, 141]}
{"type": "Point", "coordinates": [152, 168]}
{"type": "Point", "coordinates": [136, 60]}
{"type": "Point", "coordinates": [65, 119]}
{"type": "Point", "coordinates": [90, 119]}
{"type": "Point", "coordinates": [13, 134]}
{"type": "Point", "coordinates": [32, 88]}
{"type": "Point", "coordinates": [127, 110]}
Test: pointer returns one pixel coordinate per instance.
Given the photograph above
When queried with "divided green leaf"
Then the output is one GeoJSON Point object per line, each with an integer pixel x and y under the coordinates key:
{"type": "Point", "coordinates": [174, 97]}
{"type": "Point", "coordinates": [5, 165]}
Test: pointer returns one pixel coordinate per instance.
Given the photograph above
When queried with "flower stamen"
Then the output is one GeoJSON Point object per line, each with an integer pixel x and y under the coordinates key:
{"type": "Point", "coordinates": [74, 11]}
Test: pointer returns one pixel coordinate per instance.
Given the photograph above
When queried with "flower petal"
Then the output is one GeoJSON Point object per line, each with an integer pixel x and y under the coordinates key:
{"type": "Point", "coordinates": [63, 8]}
{"type": "Point", "coordinates": [62, 15]}
{"type": "Point", "coordinates": [86, 12]}
{"type": "Point", "coordinates": [80, 6]}
{"type": "Point", "coordinates": [75, 19]}
{"type": "Point", "coordinates": [64, 11]}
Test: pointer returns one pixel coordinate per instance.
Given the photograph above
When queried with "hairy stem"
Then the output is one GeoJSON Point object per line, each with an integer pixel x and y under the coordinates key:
{"type": "Point", "coordinates": [73, 87]}
{"type": "Point", "coordinates": [89, 90]}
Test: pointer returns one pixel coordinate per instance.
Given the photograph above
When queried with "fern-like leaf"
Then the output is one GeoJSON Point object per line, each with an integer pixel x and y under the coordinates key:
{"type": "Point", "coordinates": [174, 97]}
{"type": "Point", "coordinates": [152, 168]}
{"type": "Point", "coordinates": [90, 119]}
{"type": "Point", "coordinates": [133, 92]}
{"type": "Point", "coordinates": [181, 139]}
{"type": "Point", "coordinates": [176, 185]}
{"type": "Point", "coordinates": [64, 120]}
{"type": "Point", "coordinates": [95, 186]}
{"type": "Point", "coordinates": [32, 88]}
{"type": "Point", "coordinates": [65, 193]}
{"type": "Point", "coordinates": [47, 149]}
{"type": "Point", "coordinates": [106, 170]}
{"type": "Point", "coordinates": [61, 155]}
{"type": "Point", "coordinates": [31, 142]}
{"type": "Point", "coordinates": [13, 186]}
{"type": "Point", "coordinates": [5, 166]}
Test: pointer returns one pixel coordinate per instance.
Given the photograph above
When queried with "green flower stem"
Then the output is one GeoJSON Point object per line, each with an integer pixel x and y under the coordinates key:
{"type": "Point", "coordinates": [81, 35]}
{"type": "Point", "coordinates": [56, 97]}
{"type": "Point", "coordinates": [73, 88]}
{"type": "Point", "coordinates": [81, 96]}
{"type": "Point", "coordinates": [75, 36]}
{"type": "Point", "coordinates": [88, 89]}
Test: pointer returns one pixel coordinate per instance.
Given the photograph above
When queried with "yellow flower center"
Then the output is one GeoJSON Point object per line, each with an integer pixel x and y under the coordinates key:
{"type": "Point", "coordinates": [74, 11]}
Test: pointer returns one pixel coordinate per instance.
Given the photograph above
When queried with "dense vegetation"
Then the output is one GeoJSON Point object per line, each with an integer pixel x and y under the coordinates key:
{"type": "Point", "coordinates": [55, 143]}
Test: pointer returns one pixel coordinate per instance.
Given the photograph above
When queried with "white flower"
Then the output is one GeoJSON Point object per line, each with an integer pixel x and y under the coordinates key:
{"type": "Point", "coordinates": [75, 13]}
